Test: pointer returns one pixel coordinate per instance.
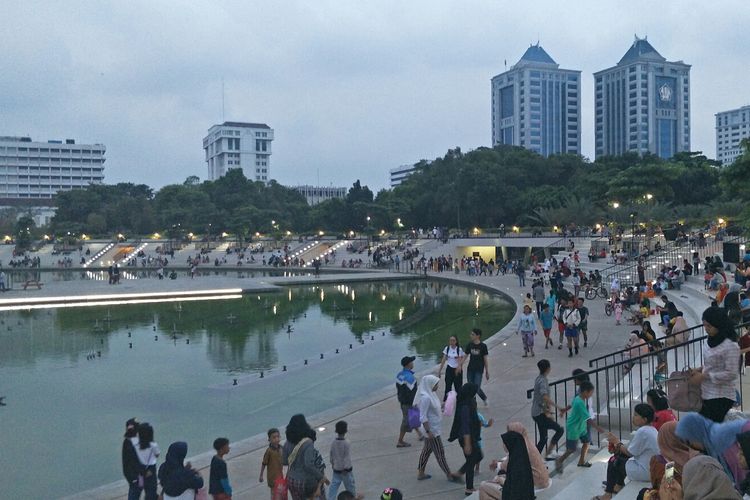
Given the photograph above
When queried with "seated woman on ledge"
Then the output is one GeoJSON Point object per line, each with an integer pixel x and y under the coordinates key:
{"type": "Point", "coordinates": [634, 459]}
{"type": "Point", "coordinates": [518, 473]}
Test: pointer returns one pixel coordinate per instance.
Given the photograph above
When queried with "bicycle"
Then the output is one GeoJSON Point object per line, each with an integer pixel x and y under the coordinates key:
{"type": "Point", "coordinates": [594, 290]}
{"type": "Point", "coordinates": [608, 308]}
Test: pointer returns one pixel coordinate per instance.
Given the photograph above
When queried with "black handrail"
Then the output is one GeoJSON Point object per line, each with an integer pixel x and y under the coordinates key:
{"type": "Point", "coordinates": [657, 339]}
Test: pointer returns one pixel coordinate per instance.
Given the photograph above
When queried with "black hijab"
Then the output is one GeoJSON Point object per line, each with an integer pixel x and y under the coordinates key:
{"type": "Point", "coordinates": [519, 480]}
{"type": "Point", "coordinates": [717, 317]}
{"type": "Point", "coordinates": [466, 398]}
{"type": "Point", "coordinates": [175, 478]}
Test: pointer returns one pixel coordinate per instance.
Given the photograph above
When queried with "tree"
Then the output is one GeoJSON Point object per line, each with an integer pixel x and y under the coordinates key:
{"type": "Point", "coordinates": [23, 232]}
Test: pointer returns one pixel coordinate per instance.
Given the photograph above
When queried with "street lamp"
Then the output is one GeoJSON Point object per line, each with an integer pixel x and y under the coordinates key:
{"type": "Point", "coordinates": [615, 205]}
{"type": "Point", "coordinates": [649, 196]}
{"type": "Point", "coordinates": [633, 215]}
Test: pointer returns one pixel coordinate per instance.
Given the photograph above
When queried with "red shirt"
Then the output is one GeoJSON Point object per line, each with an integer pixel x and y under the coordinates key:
{"type": "Point", "coordinates": [663, 416]}
{"type": "Point", "coordinates": [744, 344]}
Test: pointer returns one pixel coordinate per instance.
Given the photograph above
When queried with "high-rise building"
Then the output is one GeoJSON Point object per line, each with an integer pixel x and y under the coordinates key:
{"type": "Point", "coordinates": [31, 169]}
{"type": "Point", "coordinates": [537, 105]}
{"type": "Point", "coordinates": [239, 145]}
{"type": "Point", "coordinates": [731, 127]}
{"type": "Point", "coordinates": [642, 104]}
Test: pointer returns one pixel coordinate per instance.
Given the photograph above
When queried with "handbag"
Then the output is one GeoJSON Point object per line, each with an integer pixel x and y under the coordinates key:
{"type": "Point", "coordinates": [683, 396]}
{"type": "Point", "coordinates": [280, 489]}
{"type": "Point", "coordinates": [413, 418]}
{"type": "Point", "coordinates": [450, 403]}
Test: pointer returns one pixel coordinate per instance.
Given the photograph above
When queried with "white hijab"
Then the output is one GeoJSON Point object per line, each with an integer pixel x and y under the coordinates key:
{"type": "Point", "coordinates": [425, 391]}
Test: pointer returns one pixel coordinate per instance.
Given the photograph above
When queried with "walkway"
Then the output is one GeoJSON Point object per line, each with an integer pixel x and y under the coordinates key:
{"type": "Point", "coordinates": [374, 420]}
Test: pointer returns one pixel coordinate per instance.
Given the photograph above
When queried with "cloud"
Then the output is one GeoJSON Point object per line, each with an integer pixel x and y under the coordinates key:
{"type": "Point", "coordinates": [352, 89]}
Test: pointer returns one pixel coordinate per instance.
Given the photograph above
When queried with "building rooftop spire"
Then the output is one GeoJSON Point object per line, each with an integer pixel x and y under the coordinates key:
{"type": "Point", "coordinates": [535, 54]}
{"type": "Point", "coordinates": [641, 49]}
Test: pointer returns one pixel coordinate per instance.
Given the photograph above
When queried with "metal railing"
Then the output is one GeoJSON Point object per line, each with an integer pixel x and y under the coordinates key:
{"type": "Point", "coordinates": [672, 254]}
{"type": "Point", "coordinates": [622, 384]}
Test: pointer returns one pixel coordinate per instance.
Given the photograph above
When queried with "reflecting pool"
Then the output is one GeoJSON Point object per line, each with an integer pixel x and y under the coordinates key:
{"type": "Point", "coordinates": [72, 376]}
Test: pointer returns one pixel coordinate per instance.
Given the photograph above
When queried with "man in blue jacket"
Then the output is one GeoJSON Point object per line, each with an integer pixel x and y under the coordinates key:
{"type": "Point", "coordinates": [406, 390]}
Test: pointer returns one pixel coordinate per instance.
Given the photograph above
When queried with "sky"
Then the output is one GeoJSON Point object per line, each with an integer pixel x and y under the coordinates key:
{"type": "Point", "coordinates": [351, 88]}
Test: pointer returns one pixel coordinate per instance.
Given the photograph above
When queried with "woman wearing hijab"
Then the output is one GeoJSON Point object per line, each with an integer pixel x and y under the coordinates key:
{"type": "Point", "coordinates": [703, 479]}
{"type": "Point", "coordinates": [716, 440]}
{"type": "Point", "coordinates": [179, 481]}
{"type": "Point", "coordinates": [540, 475]}
{"type": "Point", "coordinates": [306, 471]}
{"type": "Point", "coordinates": [431, 418]}
{"type": "Point", "coordinates": [519, 482]}
{"type": "Point", "coordinates": [671, 449]}
{"type": "Point", "coordinates": [466, 429]}
{"type": "Point", "coordinates": [719, 374]}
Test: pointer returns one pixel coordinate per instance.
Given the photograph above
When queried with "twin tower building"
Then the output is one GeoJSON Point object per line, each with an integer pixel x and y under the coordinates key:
{"type": "Point", "coordinates": [642, 105]}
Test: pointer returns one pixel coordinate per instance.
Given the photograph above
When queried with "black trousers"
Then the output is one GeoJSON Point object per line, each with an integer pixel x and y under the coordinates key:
{"type": "Point", "coordinates": [452, 379]}
{"type": "Point", "coordinates": [544, 424]}
{"type": "Point", "coordinates": [615, 472]}
{"type": "Point", "coordinates": [471, 462]}
{"type": "Point", "coordinates": [716, 409]}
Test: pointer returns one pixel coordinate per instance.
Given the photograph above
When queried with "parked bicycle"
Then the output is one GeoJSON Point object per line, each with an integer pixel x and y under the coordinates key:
{"type": "Point", "coordinates": [593, 290]}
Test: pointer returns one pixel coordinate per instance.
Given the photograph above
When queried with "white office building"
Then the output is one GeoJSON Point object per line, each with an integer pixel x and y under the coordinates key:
{"type": "Point", "coordinates": [731, 127]}
{"type": "Point", "coordinates": [246, 146]}
{"type": "Point", "coordinates": [319, 194]}
{"type": "Point", "coordinates": [399, 174]}
{"type": "Point", "coordinates": [30, 169]}
{"type": "Point", "coordinates": [537, 105]}
{"type": "Point", "coordinates": [642, 104]}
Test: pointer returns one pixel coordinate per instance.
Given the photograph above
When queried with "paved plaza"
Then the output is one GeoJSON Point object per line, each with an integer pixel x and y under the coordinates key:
{"type": "Point", "coordinates": [374, 420]}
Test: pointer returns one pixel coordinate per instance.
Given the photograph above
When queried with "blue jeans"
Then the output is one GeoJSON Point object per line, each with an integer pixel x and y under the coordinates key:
{"type": "Point", "coordinates": [476, 378]}
{"type": "Point", "coordinates": [521, 279]}
{"type": "Point", "coordinates": [341, 477]}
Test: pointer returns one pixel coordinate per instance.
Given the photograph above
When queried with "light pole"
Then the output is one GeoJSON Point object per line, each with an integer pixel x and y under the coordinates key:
{"type": "Point", "coordinates": [633, 215]}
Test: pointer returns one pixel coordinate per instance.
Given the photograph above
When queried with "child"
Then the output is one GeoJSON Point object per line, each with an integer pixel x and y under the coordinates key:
{"type": "Point", "coordinates": [707, 280]}
{"type": "Point", "coordinates": [575, 427]}
{"type": "Point", "coordinates": [218, 482]}
{"type": "Point", "coordinates": [272, 459]}
{"type": "Point", "coordinates": [618, 311]}
{"type": "Point", "coordinates": [527, 328]}
{"type": "Point", "coordinates": [341, 462]}
{"type": "Point", "coordinates": [485, 423]}
{"type": "Point", "coordinates": [547, 318]}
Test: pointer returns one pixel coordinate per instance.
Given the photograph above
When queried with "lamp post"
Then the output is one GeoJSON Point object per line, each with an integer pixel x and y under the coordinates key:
{"type": "Point", "coordinates": [633, 215]}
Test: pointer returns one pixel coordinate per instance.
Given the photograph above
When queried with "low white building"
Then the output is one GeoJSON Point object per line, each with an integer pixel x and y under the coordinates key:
{"type": "Point", "coordinates": [731, 127]}
{"type": "Point", "coordinates": [318, 194]}
{"type": "Point", "coordinates": [239, 145]}
{"type": "Point", "coordinates": [399, 174]}
{"type": "Point", "coordinates": [30, 169]}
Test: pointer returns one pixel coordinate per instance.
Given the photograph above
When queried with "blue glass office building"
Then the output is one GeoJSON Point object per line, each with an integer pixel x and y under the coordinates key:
{"type": "Point", "coordinates": [642, 104]}
{"type": "Point", "coordinates": [537, 105]}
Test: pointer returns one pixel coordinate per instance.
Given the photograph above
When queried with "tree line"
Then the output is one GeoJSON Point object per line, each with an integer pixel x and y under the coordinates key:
{"type": "Point", "coordinates": [482, 188]}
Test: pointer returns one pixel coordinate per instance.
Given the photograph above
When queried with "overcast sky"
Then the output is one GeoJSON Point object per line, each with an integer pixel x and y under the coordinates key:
{"type": "Point", "coordinates": [352, 88]}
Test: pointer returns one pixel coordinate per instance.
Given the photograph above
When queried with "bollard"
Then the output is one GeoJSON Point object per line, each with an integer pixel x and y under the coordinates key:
{"type": "Point", "coordinates": [235, 382]}
{"type": "Point", "coordinates": [154, 327]}
{"type": "Point", "coordinates": [350, 346]}
{"type": "Point", "coordinates": [130, 345]}
{"type": "Point", "coordinates": [372, 337]}
{"type": "Point", "coordinates": [128, 334]}
{"type": "Point", "coordinates": [261, 374]}
{"type": "Point", "coordinates": [156, 337]}
{"type": "Point", "coordinates": [283, 369]}
{"type": "Point", "coordinates": [187, 341]}
{"type": "Point", "coordinates": [99, 353]}
{"type": "Point", "coordinates": [305, 361]}
{"type": "Point", "coordinates": [383, 334]}
{"type": "Point", "coordinates": [337, 351]}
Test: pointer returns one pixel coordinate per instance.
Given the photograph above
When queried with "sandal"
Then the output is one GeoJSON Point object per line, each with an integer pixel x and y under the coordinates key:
{"type": "Point", "coordinates": [403, 445]}
{"type": "Point", "coordinates": [585, 464]}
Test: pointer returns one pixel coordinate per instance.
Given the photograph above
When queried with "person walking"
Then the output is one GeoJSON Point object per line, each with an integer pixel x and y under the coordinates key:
{"type": "Point", "coordinates": [406, 390]}
{"type": "Point", "coordinates": [527, 328]}
{"type": "Point", "coordinates": [466, 430]}
{"type": "Point", "coordinates": [537, 290]}
{"type": "Point", "coordinates": [583, 326]}
{"type": "Point", "coordinates": [561, 310]}
{"type": "Point", "coordinates": [341, 463]}
{"type": "Point", "coordinates": [572, 318]}
{"type": "Point", "coordinates": [179, 481]}
{"type": "Point", "coordinates": [542, 410]}
{"type": "Point", "coordinates": [453, 356]}
{"type": "Point", "coordinates": [306, 468]}
{"type": "Point", "coordinates": [478, 355]}
{"type": "Point", "coordinates": [431, 418]}
{"type": "Point", "coordinates": [546, 319]}
{"type": "Point", "coordinates": [521, 272]}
